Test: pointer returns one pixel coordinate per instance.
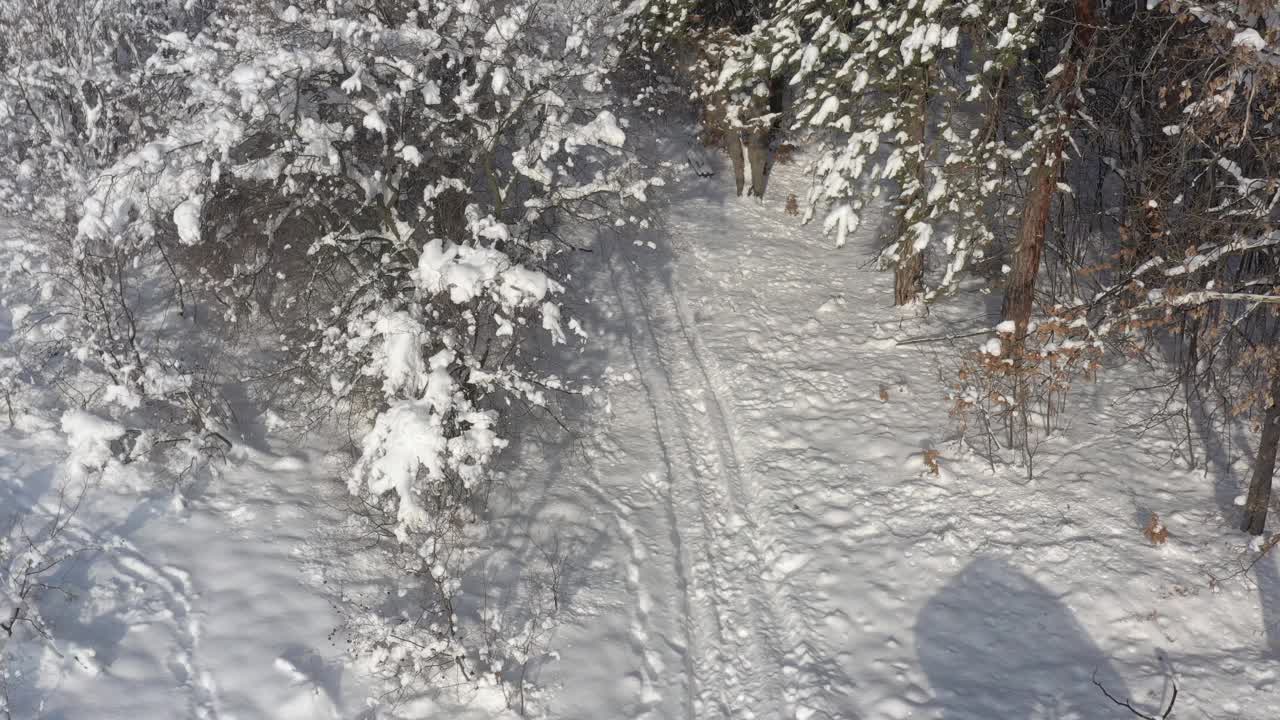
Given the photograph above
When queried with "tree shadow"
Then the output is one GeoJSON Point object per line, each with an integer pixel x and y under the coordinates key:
{"type": "Point", "coordinates": [549, 532]}
{"type": "Point", "coordinates": [1267, 576]}
{"type": "Point", "coordinates": [537, 561]}
{"type": "Point", "coordinates": [997, 644]}
{"type": "Point", "coordinates": [43, 510]}
{"type": "Point", "coordinates": [82, 618]}
{"type": "Point", "coordinates": [1217, 435]}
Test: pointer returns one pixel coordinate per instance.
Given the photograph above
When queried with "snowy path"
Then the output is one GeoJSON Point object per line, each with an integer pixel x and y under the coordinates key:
{"type": "Point", "coordinates": [733, 621]}
{"type": "Point", "coordinates": [753, 647]}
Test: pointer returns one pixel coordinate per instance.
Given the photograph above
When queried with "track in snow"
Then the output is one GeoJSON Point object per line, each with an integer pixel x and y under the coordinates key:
{"type": "Point", "coordinates": [739, 628]}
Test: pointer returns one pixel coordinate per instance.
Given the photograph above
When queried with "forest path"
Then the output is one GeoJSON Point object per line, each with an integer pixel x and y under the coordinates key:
{"type": "Point", "coordinates": [776, 546]}
{"type": "Point", "coordinates": [693, 366]}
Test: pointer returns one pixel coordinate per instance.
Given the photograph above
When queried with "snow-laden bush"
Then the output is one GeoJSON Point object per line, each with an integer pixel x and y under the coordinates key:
{"type": "Point", "coordinates": [365, 200]}
{"type": "Point", "coordinates": [74, 93]}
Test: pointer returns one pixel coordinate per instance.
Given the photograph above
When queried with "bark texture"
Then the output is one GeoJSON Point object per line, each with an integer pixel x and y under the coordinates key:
{"type": "Point", "coordinates": [908, 275]}
{"type": "Point", "coordinates": [733, 146]}
{"type": "Point", "coordinates": [1020, 290]}
{"type": "Point", "coordinates": [1264, 467]}
{"type": "Point", "coordinates": [908, 278]}
{"type": "Point", "coordinates": [758, 154]}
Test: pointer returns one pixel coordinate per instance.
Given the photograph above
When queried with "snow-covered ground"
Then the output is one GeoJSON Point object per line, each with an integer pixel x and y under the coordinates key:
{"type": "Point", "coordinates": [764, 540]}
{"type": "Point", "coordinates": [743, 526]}
{"type": "Point", "coordinates": [195, 604]}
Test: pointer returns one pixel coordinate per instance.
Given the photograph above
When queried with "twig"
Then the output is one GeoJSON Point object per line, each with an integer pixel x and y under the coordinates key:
{"type": "Point", "coordinates": [1131, 708]}
{"type": "Point", "coordinates": [1246, 568]}
{"type": "Point", "coordinates": [944, 338]}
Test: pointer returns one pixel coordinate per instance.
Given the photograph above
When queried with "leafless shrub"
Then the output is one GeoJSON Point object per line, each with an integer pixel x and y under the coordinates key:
{"type": "Point", "coordinates": [32, 551]}
{"type": "Point", "coordinates": [1012, 392]}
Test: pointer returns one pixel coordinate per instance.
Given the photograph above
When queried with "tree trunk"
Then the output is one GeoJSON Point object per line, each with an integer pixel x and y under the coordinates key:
{"type": "Point", "coordinates": [1264, 466]}
{"type": "Point", "coordinates": [777, 99]}
{"type": "Point", "coordinates": [756, 134]}
{"type": "Point", "coordinates": [758, 154]}
{"type": "Point", "coordinates": [908, 278]}
{"type": "Point", "coordinates": [733, 146]}
{"type": "Point", "coordinates": [908, 274]}
{"type": "Point", "coordinates": [777, 102]}
{"type": "Point", "coordinates": [1020, 290]}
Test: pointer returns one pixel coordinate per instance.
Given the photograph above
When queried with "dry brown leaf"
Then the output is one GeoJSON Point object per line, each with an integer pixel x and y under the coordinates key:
{"type": "Point", "coordinates": [931, 459]}
{"type": "Point", "coordinates": [1155, 531]}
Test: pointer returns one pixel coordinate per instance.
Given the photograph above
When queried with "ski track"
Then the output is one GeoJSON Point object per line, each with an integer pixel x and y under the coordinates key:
{"type": "Point", "coordinates": [742, 628]}
{"type": "Point", "coordinates": [765, 639]}
{"type": "Point", "coordinates": [790, 646]}
{"type": "Point", "coordinates": [643, 624]}
{"type": "Point", "coordinates": [701, 622]}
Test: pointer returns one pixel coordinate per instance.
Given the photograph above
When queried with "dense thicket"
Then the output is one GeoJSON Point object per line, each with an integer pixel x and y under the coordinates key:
{"type": "Point", "coordinates": [352, 208]}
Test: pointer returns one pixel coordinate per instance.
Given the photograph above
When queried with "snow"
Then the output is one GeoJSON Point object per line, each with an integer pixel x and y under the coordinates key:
{"type": "Point", "coordinates": [499, 80]}
{"type": "Point", "coordinates": [400, 359]}
{"type": "Point", "coordinates": [373, 121]}
{"type": "Point", "coordinates": [467, 272]}
{"type": "Point", "coordinates": [88, 437]}
{"type": "Point", "coordinates": [762, 536]}
{"type": "Point", "coordinates": [603, 129]}
{"type": "Point", "coordinates": [187, 218]}
{"type": "Point", "coordinates": [192, 606]}
{"type": "Point", "coordinates": [1249, 38]}
{"type": "Point", "coordinates": [829, 107]}
{"type": "Point", "coordinates": [408, 437]}
{"type": "Point", "coordinates": [747, 523]}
